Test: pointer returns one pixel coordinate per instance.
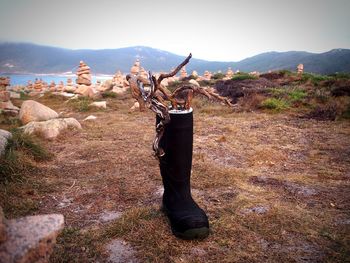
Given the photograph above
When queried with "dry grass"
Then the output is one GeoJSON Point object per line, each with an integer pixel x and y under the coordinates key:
{"type": "Point", "coordinates": [275, 187]}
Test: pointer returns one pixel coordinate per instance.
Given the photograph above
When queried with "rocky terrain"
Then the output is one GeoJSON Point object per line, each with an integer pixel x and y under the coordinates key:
{"type": "Point", "coordinates": [272, 172]}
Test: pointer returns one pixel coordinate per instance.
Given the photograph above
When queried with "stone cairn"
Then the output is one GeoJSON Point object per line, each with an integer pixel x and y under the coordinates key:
{"type": "Point", "coordinates": [60, 86]}
{"type": "Point", "coordinates": [183, 73]}
{"type": "Point", "coordinates": [38, 85]}
{"type": "Point", "coordinates": [52, 86]}
{"type": "Point", "coordinates": [30, 85]}
{"type": "Point", "coordinates": [300, 69]}
{"type": "Point", "coordinates": [6, 105]}
{"type": "Point", "coordinates": [229, 73]}
{"type": "Point", "coordinates": [118, 80]}
{"type": "Point", "coordinates": [143, 73]}
{"type": "Point", "coordinates": [84, 81]}
{"type": "Point", "coordinates": [29, 239]}
{"type": "Point", "coordinates": [69, 86]}
{"type": "Point", "coordinates": [207, 75]}
{"type": "Point", "coordinates": [83, 74]}
{"type": "Point", "coordinates": [135, 69]}
{"type": "Point", "coordinates": [195, 74]}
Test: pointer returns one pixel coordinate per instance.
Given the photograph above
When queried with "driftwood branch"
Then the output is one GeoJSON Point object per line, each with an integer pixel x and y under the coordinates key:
{"type": "Point", "coordinates": [175, 71]}
{"type": "Point", "coordinates": [156, 97]}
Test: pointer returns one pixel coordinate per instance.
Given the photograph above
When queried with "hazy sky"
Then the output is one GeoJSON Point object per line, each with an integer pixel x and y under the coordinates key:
{"type": "Point", "coordinates": [214, 30]}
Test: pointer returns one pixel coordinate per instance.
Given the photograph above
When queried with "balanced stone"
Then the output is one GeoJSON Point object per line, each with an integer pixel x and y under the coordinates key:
{"type": "Point", "coordinates": [300, 69]}
{"type": "Point", "coordinates": [135, 69]}
{"type": "Point", "coordinates": [229, 73]}
{"type": "Point", "coordinates": [83, 74]}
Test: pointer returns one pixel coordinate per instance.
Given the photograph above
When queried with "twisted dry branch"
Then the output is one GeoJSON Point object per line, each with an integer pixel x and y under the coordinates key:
{"type": "Point", "coordinates": [156, 97]}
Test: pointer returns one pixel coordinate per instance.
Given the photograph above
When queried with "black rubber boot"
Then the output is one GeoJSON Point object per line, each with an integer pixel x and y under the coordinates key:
{"type": "Point", "coordinates": [187, 219]}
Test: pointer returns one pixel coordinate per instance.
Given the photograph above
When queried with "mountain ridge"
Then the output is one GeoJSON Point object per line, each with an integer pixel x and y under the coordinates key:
{"type": "Point", "coordinates": [33, 58]}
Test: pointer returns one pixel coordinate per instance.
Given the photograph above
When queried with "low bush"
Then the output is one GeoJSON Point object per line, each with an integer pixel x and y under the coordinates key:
{"type": "Point", "coordinates": [80, 104]}
{"type": "Point", "coordinates": [109, 94]}
{"type": "Point", "coordinates": [218, 75]}
{"type": "Point", "coordinates": [243, 76]}
{"type": "Point", "coordinates": [274, 104]}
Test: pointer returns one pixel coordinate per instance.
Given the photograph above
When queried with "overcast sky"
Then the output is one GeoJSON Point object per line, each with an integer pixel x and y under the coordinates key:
{"type": "Point", "coordinates": [220, 30]}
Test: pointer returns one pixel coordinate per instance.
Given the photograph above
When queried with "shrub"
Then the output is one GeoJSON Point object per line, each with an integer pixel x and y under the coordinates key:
{"type": "Point", "coordinates": [80, 104]}
{"type": "Point", "coordinates": [275, 104]}
{"type": "Point", "coordinates": [109, 94]}
{"type": "Point", "coordinates": [218, 75]}
{"type": "Point", "coordinates": [313, 78]}
{"type": "Point", "coordinates": [243, 76]}
{"type": "Point", "coordinates": [296, 95]}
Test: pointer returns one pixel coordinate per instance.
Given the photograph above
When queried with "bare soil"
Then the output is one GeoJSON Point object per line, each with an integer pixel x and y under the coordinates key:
{"type": "Point", "coordinates": [276, 188]}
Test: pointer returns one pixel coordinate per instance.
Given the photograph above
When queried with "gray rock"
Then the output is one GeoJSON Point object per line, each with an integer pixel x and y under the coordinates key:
{"type": "Point", "coordinates": [52, 128]}
{"type": "Point", "coordinates": [31, 238]}
{"type": "Point", "coordinates": [4, 136]}
{"type": "Point", "coordinates": [35, 111]}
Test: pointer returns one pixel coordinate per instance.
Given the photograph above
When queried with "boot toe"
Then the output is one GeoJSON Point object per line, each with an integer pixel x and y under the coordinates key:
{"type": "Point", "coordinates": [191, 227]}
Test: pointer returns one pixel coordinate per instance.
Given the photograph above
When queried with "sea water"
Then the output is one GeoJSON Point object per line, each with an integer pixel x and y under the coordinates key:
{"type": "Point", "coordinates": [22, 79]}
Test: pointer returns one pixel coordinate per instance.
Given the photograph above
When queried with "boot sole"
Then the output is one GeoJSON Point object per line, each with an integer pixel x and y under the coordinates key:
{"type": "Point", "coordinates": [194, 233]}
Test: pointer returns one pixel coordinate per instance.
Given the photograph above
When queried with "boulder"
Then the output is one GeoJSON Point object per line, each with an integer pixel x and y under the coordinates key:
{"type": "Point", "coordinates": [52, 128]}
{"type": "Point", "coordinates": [85, 90]}
{"type": "Point", "coordinates": [35, 111]}
{"type": "Point", "coordinates": [4, 136]}
{"type": "Point", "coordinates": [8, 108]}
{"type": "Point", "coordinates": [31, 238]}
{"type": "Point", "coordinates": [99, 104]}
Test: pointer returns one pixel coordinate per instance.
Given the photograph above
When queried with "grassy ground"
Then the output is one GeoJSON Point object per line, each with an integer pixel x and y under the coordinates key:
{"type": "Point", "coordinates": [276, 187]}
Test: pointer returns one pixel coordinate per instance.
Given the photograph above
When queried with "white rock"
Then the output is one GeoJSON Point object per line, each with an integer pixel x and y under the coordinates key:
{"type": "Point", "coordinates": [91, 117]}
{"type": "Point", "coordinates": [194, 82]}
{"type": "Point", "coordinates": [64, 94]}
{"type": "Point", "coordinates": [50, 129]}
{"type": "Point", "coordinates": [35, 111]}
{"type": "Point", "coordinates": [135, 106]}
{"type": "Point", "coordinates": [99, 104]}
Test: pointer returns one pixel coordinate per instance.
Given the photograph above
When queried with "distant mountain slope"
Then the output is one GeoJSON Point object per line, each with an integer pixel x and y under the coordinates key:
{"type": "Point", "coordinates": [30, 58]}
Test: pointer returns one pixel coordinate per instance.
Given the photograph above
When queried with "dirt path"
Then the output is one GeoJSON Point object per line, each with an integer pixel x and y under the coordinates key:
{"type": "Point", "coordinates": [275, 188]}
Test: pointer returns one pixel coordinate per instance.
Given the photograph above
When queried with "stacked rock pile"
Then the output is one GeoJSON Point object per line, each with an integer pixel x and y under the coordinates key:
{"type": "Point", "coordinates": [83, 74]}
{"type": "Point", "coordinates": [6, 105]}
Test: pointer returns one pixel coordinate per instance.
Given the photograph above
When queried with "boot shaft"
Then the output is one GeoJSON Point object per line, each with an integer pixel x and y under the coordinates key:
{"type": "Point", "coordinates": [176, 164]}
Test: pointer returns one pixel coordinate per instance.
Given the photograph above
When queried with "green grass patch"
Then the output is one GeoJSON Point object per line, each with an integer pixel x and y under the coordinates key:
{"type": "Point", "coordinates": [109, 94]}
{"type": "Point", "coordinates": [275, 104]}
{"type": "Point", "coordinates": [315, 79]}
{"type": "Point", "coordinates": [296, 95]}
{"type": "Point", "coordinates": [80, 104]}
{"type": "Point", "coordinates": [243, 76]}
{"type": "Point", "coordinates": [218, 75]}
{"type": "Point", "coordinates": [20, 150]}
